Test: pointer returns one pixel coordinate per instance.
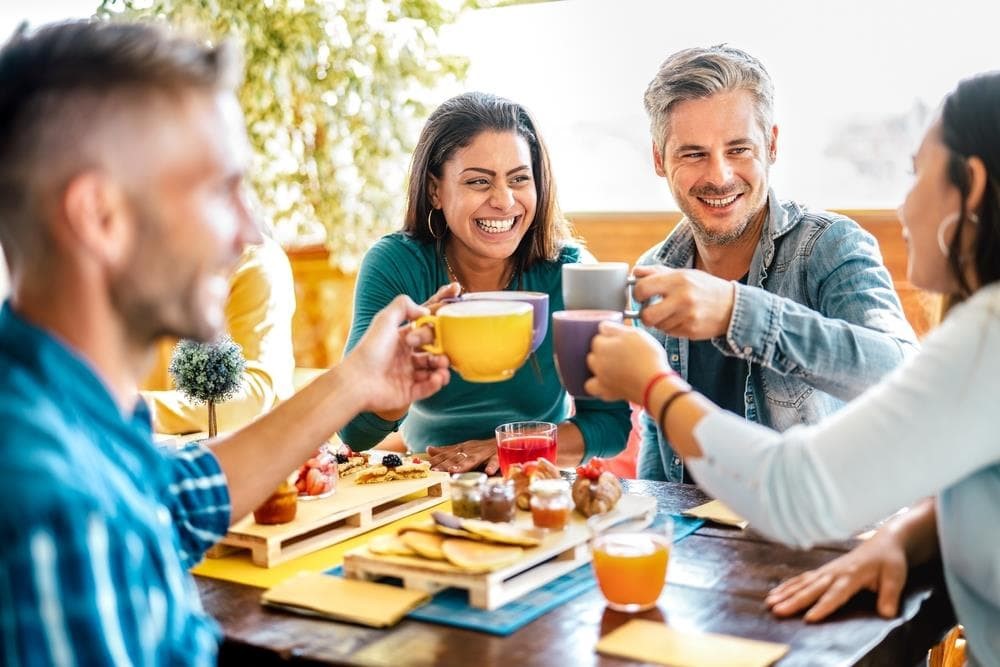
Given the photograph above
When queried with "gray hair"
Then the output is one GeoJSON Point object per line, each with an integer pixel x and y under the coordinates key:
{"type": "Point", "coordinates": [67, 93]}
{"type": "Point", "coordinates": [701, 72]}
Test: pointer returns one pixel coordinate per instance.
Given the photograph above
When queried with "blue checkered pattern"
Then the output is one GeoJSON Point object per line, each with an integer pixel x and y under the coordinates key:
{"type": "Point", "coordinates": [99, 526]}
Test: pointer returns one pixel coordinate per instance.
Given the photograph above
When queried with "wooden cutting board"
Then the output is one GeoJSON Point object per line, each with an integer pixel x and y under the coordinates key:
{"type": "Point", "coordinates": [560, 552]}
{"type": "Point", "coordinates": [352, 510]}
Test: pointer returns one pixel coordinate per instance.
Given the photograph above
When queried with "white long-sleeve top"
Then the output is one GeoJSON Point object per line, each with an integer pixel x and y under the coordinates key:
{"type": "Point", "coordinates": [931, 428]}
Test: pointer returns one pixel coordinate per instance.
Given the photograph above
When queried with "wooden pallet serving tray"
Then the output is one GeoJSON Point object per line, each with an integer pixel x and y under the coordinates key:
{"type": "Point", "coordinates": [559, 553]}
{"type": "Point", "coordinates": [352, 510]}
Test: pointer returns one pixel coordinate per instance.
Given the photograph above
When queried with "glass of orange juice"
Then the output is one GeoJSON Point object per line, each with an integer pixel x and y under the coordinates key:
{"type": "Point", "coordinates": [631, 567]}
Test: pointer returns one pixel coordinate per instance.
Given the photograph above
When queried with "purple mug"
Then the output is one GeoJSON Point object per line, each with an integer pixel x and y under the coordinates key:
{"type": "Point", "coordinates": [538, 300]}
{"type": "Point", "coordinates": [572, 332]}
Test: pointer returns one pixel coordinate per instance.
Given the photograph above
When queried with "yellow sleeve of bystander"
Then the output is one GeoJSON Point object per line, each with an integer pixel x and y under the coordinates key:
{"type": "Point", "coordinates": [259, 318]}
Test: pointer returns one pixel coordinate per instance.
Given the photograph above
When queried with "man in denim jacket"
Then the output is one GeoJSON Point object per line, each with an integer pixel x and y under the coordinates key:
{"type": "Point", "coordinates": [771, 310]}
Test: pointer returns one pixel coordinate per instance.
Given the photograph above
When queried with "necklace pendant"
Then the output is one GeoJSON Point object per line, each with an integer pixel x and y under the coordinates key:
{"type": "Point", "coordinates": [453, 277]}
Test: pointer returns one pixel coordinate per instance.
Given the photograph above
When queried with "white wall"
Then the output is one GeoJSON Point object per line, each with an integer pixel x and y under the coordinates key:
{"type": "Point", "coordinates": [855, 83]}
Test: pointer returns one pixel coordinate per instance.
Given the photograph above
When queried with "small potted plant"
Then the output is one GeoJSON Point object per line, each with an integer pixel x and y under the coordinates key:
{"type": "Point", "coordinates": [208, 372]}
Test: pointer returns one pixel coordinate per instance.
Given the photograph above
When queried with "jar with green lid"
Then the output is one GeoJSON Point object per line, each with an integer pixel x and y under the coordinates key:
{"type": "Point", "coordinates": [498, 501]}
{"type": "Point", "coordinates": [467, 494]}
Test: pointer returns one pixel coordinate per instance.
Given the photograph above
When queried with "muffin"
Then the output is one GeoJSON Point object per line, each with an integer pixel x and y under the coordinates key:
{"type": "Point", "coordinates": [280, 507]}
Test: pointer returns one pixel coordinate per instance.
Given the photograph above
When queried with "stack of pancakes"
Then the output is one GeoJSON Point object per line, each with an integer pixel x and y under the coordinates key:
{"type": "Point", "coordinates": [375, 474]}
{"type": "Point", "coordinates": [470, 545]}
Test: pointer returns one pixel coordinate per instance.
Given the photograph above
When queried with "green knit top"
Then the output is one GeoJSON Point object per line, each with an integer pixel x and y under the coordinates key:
{"type": "Point", "coordinates": [398, 264]}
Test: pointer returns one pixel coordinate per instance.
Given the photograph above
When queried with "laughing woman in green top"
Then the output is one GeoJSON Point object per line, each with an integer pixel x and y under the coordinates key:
{"type": "Point", "coordinates": [481, 215]}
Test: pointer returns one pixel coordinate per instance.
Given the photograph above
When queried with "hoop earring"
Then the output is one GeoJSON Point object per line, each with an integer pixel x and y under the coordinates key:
{"type": "Point", "coordinates": [948, 222]}
{"type": "Point", "coordinates": [430, 226]}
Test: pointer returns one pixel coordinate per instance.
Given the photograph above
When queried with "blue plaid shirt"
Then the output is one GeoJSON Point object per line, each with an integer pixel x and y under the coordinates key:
{"type": "Point", "coordinates": [99, 527]}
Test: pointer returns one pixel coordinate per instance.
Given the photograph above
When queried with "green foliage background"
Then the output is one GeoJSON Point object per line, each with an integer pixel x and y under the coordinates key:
{"type": "Point", "coordinates": [334, 95]}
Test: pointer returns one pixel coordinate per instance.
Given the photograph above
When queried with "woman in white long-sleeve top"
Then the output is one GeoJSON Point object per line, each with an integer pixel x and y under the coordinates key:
{"type": "Point", "coordinates": [930, 429]}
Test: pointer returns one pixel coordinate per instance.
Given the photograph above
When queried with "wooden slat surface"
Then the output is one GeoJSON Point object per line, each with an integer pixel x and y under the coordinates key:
{"type": "Point", "coordinates": [623, 237]}
{"type": "Point", "coordinates": [325, 295]}
{"type": "Point", "coordinates": [559, 552]}
{"type": "Point", "coordinates": [716, 583]}
{"type": "Point", "coordinates": [352, 510]}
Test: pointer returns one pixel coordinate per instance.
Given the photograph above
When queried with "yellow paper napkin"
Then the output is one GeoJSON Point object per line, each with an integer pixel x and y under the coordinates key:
{"type": "Point", "coordinates": [717, 512]}
{"type": "Point", "coordinates": [649, 641]}
{"type": "Point", "coordinates": [364, 602]}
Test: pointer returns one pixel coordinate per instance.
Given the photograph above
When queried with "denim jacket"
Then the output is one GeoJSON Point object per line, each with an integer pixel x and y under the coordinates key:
{"type": "Point", "coordinates": [818, 322]}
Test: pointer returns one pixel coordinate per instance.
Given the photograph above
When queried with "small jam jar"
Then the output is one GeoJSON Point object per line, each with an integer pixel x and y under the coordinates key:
{"type": "Point", "coordinates": [498, 501]}
{"type": "Point", "coordinates": [551, 503]}
{"type": "Point", "coordinates": [466, 494]}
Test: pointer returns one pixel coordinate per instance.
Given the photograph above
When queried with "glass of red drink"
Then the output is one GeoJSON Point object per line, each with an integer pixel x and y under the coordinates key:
{"type": "Point", "coordinates": [518, 442]}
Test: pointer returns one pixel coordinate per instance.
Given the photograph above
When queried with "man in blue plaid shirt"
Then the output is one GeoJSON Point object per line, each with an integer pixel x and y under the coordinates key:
{"type": "Point", "coordinates": [122, 210]}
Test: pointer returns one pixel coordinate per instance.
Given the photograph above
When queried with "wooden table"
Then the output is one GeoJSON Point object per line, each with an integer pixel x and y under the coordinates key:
{"type": "Point", "coordinates": [717, 581]}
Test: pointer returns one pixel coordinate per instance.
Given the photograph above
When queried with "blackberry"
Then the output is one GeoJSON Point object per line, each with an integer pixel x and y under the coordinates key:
{"type": "Point", "coordinates": [392, 461]}
{"type": "Point", "coordinates": [342, 458]}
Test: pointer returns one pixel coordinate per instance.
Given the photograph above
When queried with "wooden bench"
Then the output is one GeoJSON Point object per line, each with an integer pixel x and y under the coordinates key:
{"type": "Point", "coordinates": [325, 294]}
{"type": "Point", "coordinates": [623, 237]}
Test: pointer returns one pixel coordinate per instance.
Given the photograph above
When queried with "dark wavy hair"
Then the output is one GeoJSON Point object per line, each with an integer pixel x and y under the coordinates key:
{"type": "Point", "coordinates": [970, 126]}
{"type": "Point", "coordinates": [454, 125]}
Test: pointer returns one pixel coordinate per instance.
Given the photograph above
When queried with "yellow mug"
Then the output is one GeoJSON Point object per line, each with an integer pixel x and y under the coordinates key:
{"type": "Point", "coordinates": [485, 341]}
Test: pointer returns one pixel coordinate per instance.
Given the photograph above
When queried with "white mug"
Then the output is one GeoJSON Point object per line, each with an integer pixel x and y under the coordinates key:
{"type": "Point", "coordinates": [600, 286]}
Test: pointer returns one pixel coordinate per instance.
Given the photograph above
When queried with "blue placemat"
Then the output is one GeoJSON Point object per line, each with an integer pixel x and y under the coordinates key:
{"type": "Point", "coordinates": [451, 606]}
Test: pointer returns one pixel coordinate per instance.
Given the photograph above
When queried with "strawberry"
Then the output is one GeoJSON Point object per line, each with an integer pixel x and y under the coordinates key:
{"type": "Point", "coordinates": [316, 482]}
{"type": "Point", "coordinates": [593, 468]}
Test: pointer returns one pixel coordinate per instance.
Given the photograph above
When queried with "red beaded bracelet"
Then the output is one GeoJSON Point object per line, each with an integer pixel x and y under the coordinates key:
{"type": "Point", "coordinates": [653, 381]}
